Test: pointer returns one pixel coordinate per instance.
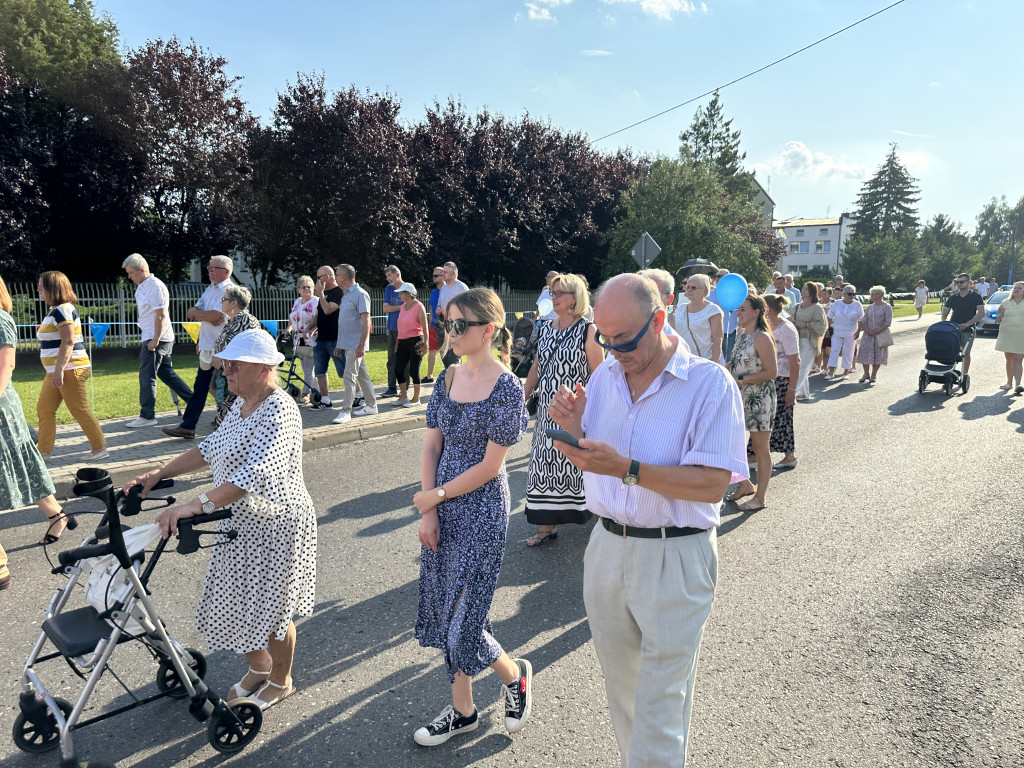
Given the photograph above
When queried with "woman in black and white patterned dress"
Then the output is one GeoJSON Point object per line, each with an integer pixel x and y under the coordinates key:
{"type": "Point", "coordinates": [258, 582]}
{"type": "Point", "coordinates": [567, 354]}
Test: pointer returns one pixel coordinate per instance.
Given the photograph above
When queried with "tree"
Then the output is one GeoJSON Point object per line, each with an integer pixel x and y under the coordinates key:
{"type": "Point", "coordinates": [687, 210]}
{"type": "Point", "coordinates": [998, 235]}
{"type": "Point", "coordinates": [887, 259]}
{"type": "Point", "coordinates": [55, 42]}
{"type": "Point", "coordinates": [331, 182]}
{"type": "Point", "coordinates": [946, 250]}
{"type": "Point", "coordinates": [710, 139]}
{"type": "Point", "coordinates": [886, 201]}
{"type": "Point", "coordinates": [188, 126]}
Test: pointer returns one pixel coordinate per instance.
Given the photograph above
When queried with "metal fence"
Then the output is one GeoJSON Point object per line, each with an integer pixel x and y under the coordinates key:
{"type": "Point", "coordinates": [114, 303]}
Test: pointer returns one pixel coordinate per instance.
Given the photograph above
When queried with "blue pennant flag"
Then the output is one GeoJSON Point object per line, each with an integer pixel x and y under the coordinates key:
{"type": "Point", "coordinates": [99, 331]}
{"type": "Point", "coordinates": [271, 326]}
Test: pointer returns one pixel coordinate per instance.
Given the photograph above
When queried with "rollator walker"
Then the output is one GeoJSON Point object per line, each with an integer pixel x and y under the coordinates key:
{"type": "Point", "coordinates": [121, 609]}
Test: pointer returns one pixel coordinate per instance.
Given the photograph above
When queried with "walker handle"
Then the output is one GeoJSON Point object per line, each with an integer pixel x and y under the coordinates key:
{"type": "Point", "coordinates": [71, 556]}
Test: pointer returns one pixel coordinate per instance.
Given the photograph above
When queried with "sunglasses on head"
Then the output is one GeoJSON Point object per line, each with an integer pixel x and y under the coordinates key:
{"type": "Point", "coordinates": [460, 326]}
{"type": "Point", "coordinates": [626, 346]}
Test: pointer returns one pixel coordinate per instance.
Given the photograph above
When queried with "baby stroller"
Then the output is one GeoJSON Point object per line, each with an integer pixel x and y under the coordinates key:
{"type": "Point", "coordinates": [286, 346]}
{"type": "Point", "coordinates": [945, 346]}
{"type": "Point", "coordinates": [524, 346]}
{"type": "Point", "coordinates": [121, 609]}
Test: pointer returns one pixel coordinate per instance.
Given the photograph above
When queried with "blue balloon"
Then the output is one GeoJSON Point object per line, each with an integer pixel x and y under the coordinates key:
{"type": "Point", "coordinates": [731, 291]}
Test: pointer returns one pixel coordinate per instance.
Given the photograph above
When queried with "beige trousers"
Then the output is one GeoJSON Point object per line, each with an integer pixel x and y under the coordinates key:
{"type": "Point", "coordinates": [647, 601]}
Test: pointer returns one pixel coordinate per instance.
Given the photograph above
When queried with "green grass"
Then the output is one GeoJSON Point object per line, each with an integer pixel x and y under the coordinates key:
{"type": "Point", "coordinates": [906, 308]}
{"type": "Point", "coordinates": [117, 384]}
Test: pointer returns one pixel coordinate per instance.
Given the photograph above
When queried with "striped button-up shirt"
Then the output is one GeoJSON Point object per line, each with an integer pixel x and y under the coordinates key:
{"type": "Point", "coordinates": [691, 415]}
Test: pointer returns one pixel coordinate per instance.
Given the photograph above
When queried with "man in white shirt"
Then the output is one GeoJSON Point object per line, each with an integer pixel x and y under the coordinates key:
{"type": "Point", "coordinates": [452, 287]}
{"type": "Point", "coordinates": [664, 437]}
{"type": "Point", "coordinates": [208, 312]}
{"type": "Point", "coordinates": [153, 304]}
{"type": "Point", "coordinates": [983, 287]}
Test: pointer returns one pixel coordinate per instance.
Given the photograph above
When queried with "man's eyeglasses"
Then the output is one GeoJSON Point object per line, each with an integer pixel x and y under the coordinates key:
{"type": "Point", "coordinates": [961, 282]}
{"type": "Point", "coordinates": [212, 267]}
{"type": "Point", "coordinates": [460, 326]}
{"type": "Point", "coordinates": [439, 274]}
{"type": "Point", "coordinates": [626, 346]}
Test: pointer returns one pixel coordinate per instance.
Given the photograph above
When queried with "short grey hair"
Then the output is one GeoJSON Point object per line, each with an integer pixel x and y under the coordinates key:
{"type": "Point", "coordinates": [135, 261]}
{"type": "Point", "coordinates": [391, 269]}
{"type": "Point", "coordinates": [223, 261]}
{"type": "Point", "coordinates": [662, 277]}
{"type": "Point", "coordinates": [305, 280]}
{"type": "Point", "coordinates": [451, 265]}
{"type": "Point", "coordinates": [347, 270]}
{"type": "Point", "coordinates": [239, 294]}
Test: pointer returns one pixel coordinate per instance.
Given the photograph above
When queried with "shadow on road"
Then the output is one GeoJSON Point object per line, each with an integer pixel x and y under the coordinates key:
{"type": "Point", "coordinates": [985, 405]}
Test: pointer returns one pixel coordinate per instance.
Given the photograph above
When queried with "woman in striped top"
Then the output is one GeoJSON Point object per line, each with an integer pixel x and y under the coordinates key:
{"type": "Point", "coordinates": [67, 366]}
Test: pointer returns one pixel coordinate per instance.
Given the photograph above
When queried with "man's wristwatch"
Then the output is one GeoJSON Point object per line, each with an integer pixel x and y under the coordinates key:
{"type": "Point", "coordinates": [631, 477]}
{"type": "Point", "coordinates": [208, 506]}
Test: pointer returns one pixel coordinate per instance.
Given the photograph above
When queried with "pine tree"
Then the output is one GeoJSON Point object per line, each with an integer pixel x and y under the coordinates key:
{"type": "Point", "coordinates": [710, 139]}
{"type": "Point", "coordinates": [886, 201]}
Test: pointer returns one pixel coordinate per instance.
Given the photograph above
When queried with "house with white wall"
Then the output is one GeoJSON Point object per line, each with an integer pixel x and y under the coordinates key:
{"type": "Point", "coordinates": [813, 243]}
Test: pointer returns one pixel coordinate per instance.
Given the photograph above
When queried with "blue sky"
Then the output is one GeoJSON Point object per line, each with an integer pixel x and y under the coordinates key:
{"type": "Point", "coordinates": [939, 77]}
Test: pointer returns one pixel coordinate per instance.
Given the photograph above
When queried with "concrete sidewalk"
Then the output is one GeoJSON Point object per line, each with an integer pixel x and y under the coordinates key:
{"type": "Point", "coordinates": [133, 451]}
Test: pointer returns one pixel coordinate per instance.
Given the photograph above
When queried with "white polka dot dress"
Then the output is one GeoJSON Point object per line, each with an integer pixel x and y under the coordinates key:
{"type": "Point", "coordinates": [258, 582]}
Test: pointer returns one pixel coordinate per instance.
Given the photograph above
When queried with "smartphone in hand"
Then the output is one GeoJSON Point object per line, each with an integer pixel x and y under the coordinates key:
{"type": "Point", "coordinates": [563, 436]}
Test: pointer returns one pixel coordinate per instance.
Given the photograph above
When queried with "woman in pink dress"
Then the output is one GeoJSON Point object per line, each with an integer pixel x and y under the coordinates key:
{"type": "Point", "coordinates": [877, 318]}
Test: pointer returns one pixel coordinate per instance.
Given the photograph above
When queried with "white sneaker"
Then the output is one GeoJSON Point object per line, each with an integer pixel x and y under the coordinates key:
{"type": "Point", "coordinates": [410, 404]}
{"type": "Point", "coordinates": [101, 454]}
{"type": "Point", "coordinates": [342, 417]}
{"type": "Point", "coordinates": [400, 403]}
{"type": "Point", "coordinates": [366, 410]}
{"type": "Point", "coordinates": [141, 422]}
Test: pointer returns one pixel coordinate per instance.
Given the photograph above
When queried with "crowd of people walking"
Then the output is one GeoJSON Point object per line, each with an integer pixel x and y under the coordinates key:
{"type": "Point", "coordinates": [660, 413]}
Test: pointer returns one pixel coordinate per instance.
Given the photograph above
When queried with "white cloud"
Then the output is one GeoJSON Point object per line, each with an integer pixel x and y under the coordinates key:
{"type": "Point", "coordinates": [913, 135]}
{"type": "Point", "coordinates": [663, 9]}
{"type": "Point", "coordinates": [540, 10]}
{"type": "Point", "coordinates": [934, 84]}
{"type": "Point", "coordinates": [916, 162]}
{"type": "Point", "coordinates": [797, 159]}
{"type": "Point", "coordinates": [594, 52]}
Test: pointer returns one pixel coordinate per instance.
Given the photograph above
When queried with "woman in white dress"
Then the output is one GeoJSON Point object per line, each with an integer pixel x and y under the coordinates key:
{"type": "Point", "coordinates": [920, 298]}
{"type": "Point", "coordinates": [701, 321]}
{"type": "Point", "coordinates": [258, 582]}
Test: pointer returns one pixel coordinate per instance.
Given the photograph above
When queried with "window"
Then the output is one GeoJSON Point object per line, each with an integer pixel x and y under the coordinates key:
{"type": "Point", "coordinates": [805, 246]}
{"type": "Point", "coordinates": [823, 232]}
{"type": "Point", "coordinates": [799, 233]}
{"type": "Point", "coordinates": [794, 247]}
{"type": "Point", "coordinates": [798, 268]}
{"type": "Point", "coordinates": [822, 246]}
{"type": "Point", "coordinates": [821, 267]}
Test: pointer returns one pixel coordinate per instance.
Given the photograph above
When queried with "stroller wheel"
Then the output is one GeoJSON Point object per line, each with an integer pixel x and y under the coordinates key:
{"type": "Point", "coordinates": [167, 679]}
{"type": "Point", "coordinates": [922, 382]}
{"type": "Point", "coordinates": [226, 734]}
{"type": "Point", "coordinates": [947, 384]}
{"type": "Point", "coordinates": [38, 737]}
{"type": "Point", "coordinates": [965, 384]}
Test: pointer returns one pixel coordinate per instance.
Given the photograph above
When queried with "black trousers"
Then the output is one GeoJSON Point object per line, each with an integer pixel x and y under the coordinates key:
{"type": "Point", "coordinates": [407, 361]}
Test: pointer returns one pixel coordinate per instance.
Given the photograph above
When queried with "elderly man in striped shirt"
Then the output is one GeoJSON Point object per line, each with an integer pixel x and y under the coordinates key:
{"type": "Point", "coordinates": [663, 440]}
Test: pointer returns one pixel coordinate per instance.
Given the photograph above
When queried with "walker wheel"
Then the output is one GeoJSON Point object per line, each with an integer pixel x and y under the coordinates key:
{"type": "Point", "coordinates": [294, 391]}
{"type": "Point", "coordinates": [314, 396]}
{"type": "Point", "coordinates": [167, 679]}
{"type": "Point", "coordinates": [226, 734]}
{"type": "Point", "coordinates": [922, 382]}
{"type": "Point", "coordinates": [39, 737]}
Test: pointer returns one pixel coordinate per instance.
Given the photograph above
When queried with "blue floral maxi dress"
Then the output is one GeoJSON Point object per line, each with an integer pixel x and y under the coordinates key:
{"type": "Point", "coordinates": [25, 479]}
{"type": "Point", "coordinates": [457, 581]}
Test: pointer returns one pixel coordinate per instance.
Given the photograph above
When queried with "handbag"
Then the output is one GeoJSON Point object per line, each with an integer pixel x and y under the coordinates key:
{"type": "Point", "coordinates": [884, 339]}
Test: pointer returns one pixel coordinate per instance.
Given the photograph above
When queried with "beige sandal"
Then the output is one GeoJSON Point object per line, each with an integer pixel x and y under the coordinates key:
{"type": "Point", "coordinates": [265, 704]}
{"type": "Point", "coordinates": [237, 691]}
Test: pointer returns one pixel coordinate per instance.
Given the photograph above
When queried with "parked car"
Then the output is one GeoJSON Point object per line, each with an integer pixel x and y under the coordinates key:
{"type": "Point", "coordinates": [988, 323]}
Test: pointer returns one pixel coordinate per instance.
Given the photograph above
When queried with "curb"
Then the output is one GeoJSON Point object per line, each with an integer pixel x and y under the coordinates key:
{"type": "Point", "coordinates": [312, 439]}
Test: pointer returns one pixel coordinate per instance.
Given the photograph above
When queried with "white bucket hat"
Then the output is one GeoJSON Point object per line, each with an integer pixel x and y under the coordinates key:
{"type": "Point", "coordinates": [407, 288]}
{"type": "Point", "coordinates": [252, 346]}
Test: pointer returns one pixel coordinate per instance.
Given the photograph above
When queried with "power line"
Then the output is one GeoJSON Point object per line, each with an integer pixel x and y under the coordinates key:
{"type": "Point", "coordinates": [749, 74]}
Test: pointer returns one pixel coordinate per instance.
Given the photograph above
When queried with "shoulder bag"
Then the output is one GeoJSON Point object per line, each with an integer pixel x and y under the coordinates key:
{"type": "Point", "coordinates": [534, 402]}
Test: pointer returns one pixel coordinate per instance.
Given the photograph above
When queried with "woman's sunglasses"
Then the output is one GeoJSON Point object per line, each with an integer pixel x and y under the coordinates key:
{"type": "Point", "coordinates": [460, 326]}
{"type": "Point", "coordinates": [626, 346]}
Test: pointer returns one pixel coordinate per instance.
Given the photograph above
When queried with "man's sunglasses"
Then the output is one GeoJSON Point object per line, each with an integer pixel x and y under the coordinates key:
{"type": "Point", "coordinates": [626, 346]}
{"type": "Point", "coordinates": [460, 326]}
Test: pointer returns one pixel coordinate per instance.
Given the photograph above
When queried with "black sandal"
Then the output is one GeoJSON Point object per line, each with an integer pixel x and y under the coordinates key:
{"type": "Point", "coordinates": [540, 537]}
{"type": "Point", "coordinates": [49, 538]}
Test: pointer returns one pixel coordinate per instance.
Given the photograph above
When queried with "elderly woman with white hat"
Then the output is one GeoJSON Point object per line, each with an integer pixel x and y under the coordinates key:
{"type": "Point", "coordinates": [412, 344]}
{"type": "Point", "coordinates": [258, 582]}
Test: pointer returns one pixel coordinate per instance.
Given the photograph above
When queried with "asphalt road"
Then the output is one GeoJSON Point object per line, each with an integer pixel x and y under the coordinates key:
{"type": "Point", "coordinates": [871, 616]}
